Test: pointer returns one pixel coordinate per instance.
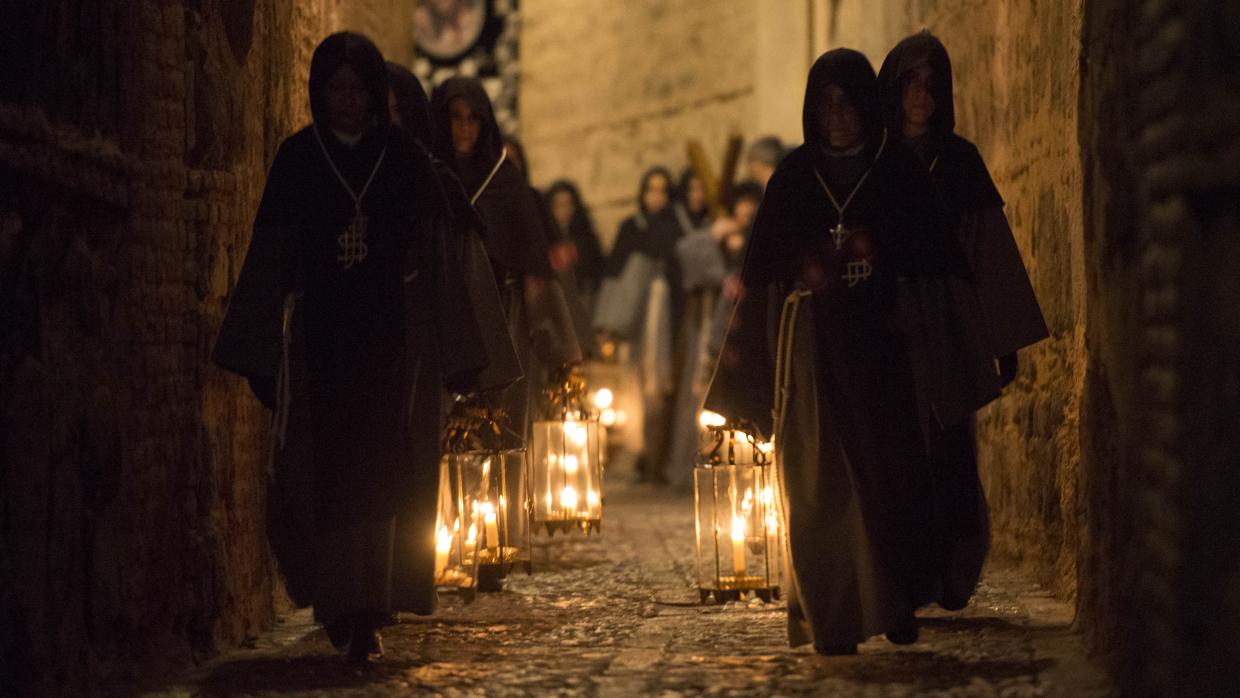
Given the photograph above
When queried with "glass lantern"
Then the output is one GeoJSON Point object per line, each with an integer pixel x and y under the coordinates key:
{"type": "Point", "coordinates": [459, 524]}
{"type": "Point", "coordinates": [495, 503]}
{"type": "Point", "coordinates": [736, 515]}
{"type": "Point", "coordinates": [567, 472]}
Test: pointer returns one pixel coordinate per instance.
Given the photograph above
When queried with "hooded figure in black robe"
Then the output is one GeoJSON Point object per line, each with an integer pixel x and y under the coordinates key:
{"type": "Point", "coordinates": [588, 260]}
{"type": "Point", "coordinates": [354, 309]}
{"type": "Point", "coordinates": [966, 334]}
{"type": "Point", "coordinates": [817, 327]}
{"type": "Point", "coordinates": [516, 239]}
{"type": "Point", "coordinates": [640, 304]}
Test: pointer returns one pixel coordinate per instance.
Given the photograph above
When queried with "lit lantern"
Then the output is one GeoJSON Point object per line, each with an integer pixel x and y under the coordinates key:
{"type": "Point", "coordinates": [565, 459]}
{"type": "Point", "coordinates": [498, 533]}
{"type": "Point", "coordinates": [737, 520]}
{"type": "Point", "coordinates": [463, 483]}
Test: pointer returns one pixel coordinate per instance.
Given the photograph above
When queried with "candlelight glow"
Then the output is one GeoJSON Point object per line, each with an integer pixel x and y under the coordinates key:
{"type": "Point", "coordinates": [765, 446]}
{"type": "Point", "coordinates": [471, 536]}
{"type": "Point", "coordinates": [738, 528]}
{"type": "Point", "coordinates": [443, 541]}
{"type": "Point", "coordinates": [488, 510]}
{"type": "Point", "coordinates": [608, 417]}
{"type": "Point", "coordinates": [568, 498]}
{"type": "Point", "coordinates": [772, 523]}
{"type": "Point", "coordinates": [711, 419]}
{"type": "Point", "coordinates": [571, 464]}
{"type": "Point", "coordinates": [603, 398]}
{"type": "Point", "coordinates": [747, 502]}
{"type": "Point", "coordinates": [592, 499]}
{"type": "Point", "coordinates": [577, 433]}
{"type": "Point", "coordinates": [768, 496]}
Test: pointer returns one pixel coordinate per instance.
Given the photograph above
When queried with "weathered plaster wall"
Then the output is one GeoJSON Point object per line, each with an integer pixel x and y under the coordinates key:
{"type": "Point", "coordinates": [610, 89]}
{"type": "Point", "coordinates": [134, 141]}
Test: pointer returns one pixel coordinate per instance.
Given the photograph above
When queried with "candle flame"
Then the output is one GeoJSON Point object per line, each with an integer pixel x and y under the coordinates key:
{"type": "Point", "coordinates": [747, 502]}
{"type": "Point", "coordinates": [568, 498]}
{"type": "Point", "coordinates": [472, 536]}
{"type": "Point", "coordinates": [710, 419]}
{"type": "Point", "coordinates": [592, 498]}
{"type": "Point", "coordinates": [772, 523]}
{"type": "Point", "coordinates": [768, 496]}
{"type": "Point", "coordinates": [571, 464]}
{"type": "Point", "coordinates": [603, 398]}
{"type": "Point", "coordinates": [738, 529]}
{"type": "Point", "coordinates": [488, 511]}
{"type": "Point", "coordinates": [443, 541]}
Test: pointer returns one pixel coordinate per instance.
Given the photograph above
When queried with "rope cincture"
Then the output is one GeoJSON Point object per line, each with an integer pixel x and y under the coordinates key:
{"type": "Point", "coordinates": [785, 346]}
{"type": "Point", "coordinates": [284, 390]}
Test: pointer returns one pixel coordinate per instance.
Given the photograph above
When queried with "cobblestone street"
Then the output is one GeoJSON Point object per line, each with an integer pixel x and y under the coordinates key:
{"type": "Point", "coordinates": [617, 615]}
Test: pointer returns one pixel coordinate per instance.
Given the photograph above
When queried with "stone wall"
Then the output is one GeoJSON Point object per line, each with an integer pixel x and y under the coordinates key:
{"type": "Point", "coordinates": [610, 89]}
{"type": "Point", "coordinates": [134, 141]}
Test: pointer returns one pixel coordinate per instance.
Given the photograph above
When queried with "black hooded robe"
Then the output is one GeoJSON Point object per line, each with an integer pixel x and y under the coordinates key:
{"type": "Point", "coordinates": [641, 302]}
{"type": "Point", "coordinates": [703, 265]}
{"type": "Point", "coordinates": [537, 315]}
{"type": "Point", "coordinates": [381, 324]}
{"type": "Point", "coordinates": [854, 476]}
{"type": "Point", "coordinates": [967, 326]}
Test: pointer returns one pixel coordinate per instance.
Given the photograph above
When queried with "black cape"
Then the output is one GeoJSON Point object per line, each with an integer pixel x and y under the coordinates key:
{"type": "Point", "coordinates": [379, 329]}
{"type": "Point", "coordinates": [516, 241]}
{"type": "Point", "coordinates": [960, 329]}
{"type": "Point", "coordinates": [851, 460]}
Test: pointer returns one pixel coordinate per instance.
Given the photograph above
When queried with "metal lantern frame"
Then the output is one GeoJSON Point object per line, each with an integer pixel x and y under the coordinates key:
{"type": "Point", "coordinates": [564, 496]}
{"type": "Point", "coordinates": [736, 518]}
{"type": "Point", "coordinates": [479, 472]}
{"type": "Point", "coordinates": [457, 524]}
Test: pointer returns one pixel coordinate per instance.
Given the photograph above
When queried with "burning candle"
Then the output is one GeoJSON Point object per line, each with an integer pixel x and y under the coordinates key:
{"type": "Point", "coordinates": [443, 546]}
{"type": "Point", "coordinates": [491, 524]}
{"type": "Point", "coordinates": [568, 498]}
{"type": "Point", "coordinates": [471, 539]}
{"type": "Point", "coordinates": [571, 463]}
{"type": "Point", "coordinates": [738, 545]}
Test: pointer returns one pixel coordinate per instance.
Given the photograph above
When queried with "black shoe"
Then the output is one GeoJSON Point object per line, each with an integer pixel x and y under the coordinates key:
{"type": "Point", "coordinates": [953, 603]}
{"type": "Point", "coordinates": [836, 649]}
{"type": "Point", "coordinates": [905, 633]}
{"type": "Point", "coordinates": [366, 645]}
{"type": "Point", "coordinates": [339, 632]}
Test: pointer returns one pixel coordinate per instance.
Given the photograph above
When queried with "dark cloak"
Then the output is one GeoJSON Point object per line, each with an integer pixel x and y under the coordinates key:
{"type": "Point", "coordinates": [852, 464]}
{"type": "Point", "coordinates": [370, 346]}
{"type": "Point", "coordinates": [581, 232]}
{"type": "Point", "coordinates": [516, 240]}
{"type": "Point", "coordinates": [961, 329]}
{"type": "Point", "coordinates": [641, 301]}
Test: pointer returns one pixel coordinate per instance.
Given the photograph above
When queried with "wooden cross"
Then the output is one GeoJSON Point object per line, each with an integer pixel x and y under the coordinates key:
{"type": "Point", "coordinates": [716, 189]}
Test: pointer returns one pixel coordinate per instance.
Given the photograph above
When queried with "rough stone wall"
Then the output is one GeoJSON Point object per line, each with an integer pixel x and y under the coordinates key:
{"type": "Point", "coordinates": [610, 89]}
{"type": "Point", "coordinates": [134, 140]}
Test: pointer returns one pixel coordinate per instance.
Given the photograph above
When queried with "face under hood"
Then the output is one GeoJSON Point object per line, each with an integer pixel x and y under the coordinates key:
{"type": "Point", "coordinates": [411, 102]}
{"type": "Point", "coordinates": [490, 141]}
{"type": "Point", "coordinates": [357, 52]}
{"type": "Point", "coordinates": [917, 50]}
{"type": "Point", "coordinates": [850, 70]}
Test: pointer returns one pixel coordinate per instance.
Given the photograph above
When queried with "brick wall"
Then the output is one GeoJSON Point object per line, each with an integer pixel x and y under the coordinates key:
{"type": "Point", "coordinates": [133, 149]}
